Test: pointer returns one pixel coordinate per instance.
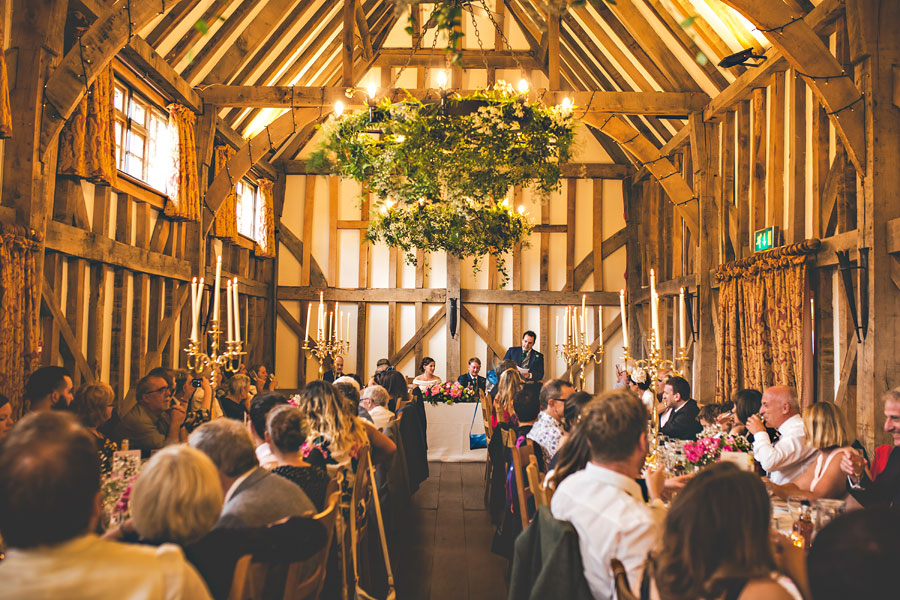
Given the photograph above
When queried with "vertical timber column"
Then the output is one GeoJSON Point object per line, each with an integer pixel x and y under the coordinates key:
{"type": "Point", "coordinates": [36, 32]}
{"type": "Point", "coordinates": [704, 144]}
{"type": "Point", "coordinates": [631, 197]}
{"type": "Point", "coordinates": [347, 49]}
{"type": "Point", "coordinates": [453, 349]}
{"type": "Point", "coordinates": [875, 47]}
{"type": "Point", "coordinates": [553, 63]}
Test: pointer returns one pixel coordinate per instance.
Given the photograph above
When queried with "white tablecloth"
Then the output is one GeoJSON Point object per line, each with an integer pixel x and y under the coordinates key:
{"type": "Point", "coordinates": [448, 432]}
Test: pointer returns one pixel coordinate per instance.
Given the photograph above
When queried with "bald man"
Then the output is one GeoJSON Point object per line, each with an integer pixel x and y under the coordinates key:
{"type": "Point", "coordinates": [789, 457]}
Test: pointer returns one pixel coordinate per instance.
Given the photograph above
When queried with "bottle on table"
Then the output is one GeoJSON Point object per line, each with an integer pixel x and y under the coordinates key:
{"type": "Point", "coordinates": [801, 536]}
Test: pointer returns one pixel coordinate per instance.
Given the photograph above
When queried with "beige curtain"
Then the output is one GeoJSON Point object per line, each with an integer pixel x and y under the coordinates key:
{"type": "Point", "coordinates": [265, 230]}
{"type": "Point", "coordinates": [19, 307]}
{"type": "Point", "coordinates": [87, 147]}
{"type": "Point", "coordinates": [760, 319]}
{"type": "Point", "coordinates": [184, 199]}
{"type": "Point", "coordinates": [226, 217]}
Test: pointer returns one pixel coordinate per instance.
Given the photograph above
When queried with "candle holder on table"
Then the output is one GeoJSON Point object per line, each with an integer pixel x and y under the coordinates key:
{"type": "Point", "coordinates": [200, 360]}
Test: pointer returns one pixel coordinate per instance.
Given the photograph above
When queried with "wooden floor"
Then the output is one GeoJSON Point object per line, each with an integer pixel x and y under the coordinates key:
{"type": "Point", "coordinates": [445, 553]}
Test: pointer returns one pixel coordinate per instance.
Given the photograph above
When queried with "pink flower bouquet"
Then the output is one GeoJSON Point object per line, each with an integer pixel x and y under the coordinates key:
{"type": "Point", "coordinates": [449, 393]}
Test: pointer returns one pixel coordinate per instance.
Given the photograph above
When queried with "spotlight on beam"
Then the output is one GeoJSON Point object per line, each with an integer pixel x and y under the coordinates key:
{"type": "Point", "coordinates": [741, 58]}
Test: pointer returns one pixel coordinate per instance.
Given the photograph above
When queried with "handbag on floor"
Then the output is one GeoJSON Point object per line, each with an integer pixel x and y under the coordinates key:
{"type": "Point", "coordinates": [477, 440]}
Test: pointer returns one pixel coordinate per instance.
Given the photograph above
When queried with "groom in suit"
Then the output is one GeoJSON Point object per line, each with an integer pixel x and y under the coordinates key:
{"type": "Point", "coordinates": [680, 420]}
{"type": "Point", "coordinates": [529, 361]}
{"type": "Point", "coordinates": [472, 379]}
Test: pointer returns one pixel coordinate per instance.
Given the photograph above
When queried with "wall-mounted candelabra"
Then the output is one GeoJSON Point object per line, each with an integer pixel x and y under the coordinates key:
{"type": "Point", "coordinates": [205, 357]}
{"type": "Point", "coordinates": [331, 341]}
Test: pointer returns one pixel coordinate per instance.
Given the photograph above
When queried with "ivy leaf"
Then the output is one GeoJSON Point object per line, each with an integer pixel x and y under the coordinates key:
{"type": "Point", "coordinates": [202, 26]}
{"type": "Point", "coordinates": [410, 30]}
{"type": "Point", "coordinates": [689, 21]}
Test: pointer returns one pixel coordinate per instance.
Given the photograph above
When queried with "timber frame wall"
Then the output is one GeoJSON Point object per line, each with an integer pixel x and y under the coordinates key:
{"type": "Point", "coordinates": [808, 141]}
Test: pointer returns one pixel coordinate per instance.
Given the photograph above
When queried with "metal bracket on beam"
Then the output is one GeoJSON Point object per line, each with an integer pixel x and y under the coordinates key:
{"type": "Point", "coordinates": [860, 317]}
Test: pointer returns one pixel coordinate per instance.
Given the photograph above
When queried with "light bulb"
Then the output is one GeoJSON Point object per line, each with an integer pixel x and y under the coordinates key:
{"type": "Point", "coordinates": [523, 86]}
{"type": "Point", "coordinates": [371, 89]}
{"type": "Point", "coordinates": [505, 202]}
{"type": "Point", "coordinates": [566, 104]}
{"type": "Point", "coordinates": [338, 108]}
{"type": "Point", "coordinates": [521, 209]}
{"type": "Point", "coordinates": [401, 138]}
{"type": "Point", "coordinates": [441, 78]}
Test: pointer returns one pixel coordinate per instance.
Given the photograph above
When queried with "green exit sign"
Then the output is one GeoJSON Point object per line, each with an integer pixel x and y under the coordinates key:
{"type": "Point", "coordinates": [765, 239]}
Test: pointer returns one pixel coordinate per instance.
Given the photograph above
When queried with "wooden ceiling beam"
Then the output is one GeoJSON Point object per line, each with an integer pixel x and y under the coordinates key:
{"type": "Point", "coordinates": [234, 139]}
{"type": "Point", "coordinates": [194, 34]}
{"type": "Point", "coordinates": [470, 59]}
{"type": "Point", "coordinates": [365, 36]}
{"type": "Point", "coordinates": [153, 67]}
{"type": "Point", "coordinates": [638, 103]}
{"type": "Point", "coordinates": [820, 19]}
{"type": "Point", "coordinates": [223, 35]}
{"type": "Point", "coordinates": [170, 21]}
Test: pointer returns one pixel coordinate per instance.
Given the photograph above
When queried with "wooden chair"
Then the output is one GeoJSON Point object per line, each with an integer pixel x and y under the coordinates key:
{"type": "Point", "coordinates": [305, 579]}
{"type": "Point", "coordinates": [535, 483]}
{"type": "Point", "coordinates": [488, 432]}
{"type": "Point", "coordinates": [520, 458]}
{"type": "Point", "coordinates": [356, 530]}
{"type": "Point", "coordinates": [623, 590]}
{"type": "Point", "coordinates": [239, 579]}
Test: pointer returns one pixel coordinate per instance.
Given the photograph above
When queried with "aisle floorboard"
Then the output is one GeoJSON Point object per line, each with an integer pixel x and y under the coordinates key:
{"type": "Point", "coordinates": [444, 552]}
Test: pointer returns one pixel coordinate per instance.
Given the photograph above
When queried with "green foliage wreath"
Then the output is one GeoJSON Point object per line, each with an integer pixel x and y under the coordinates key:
{"type": "Point", "coordinates": [440, 171]}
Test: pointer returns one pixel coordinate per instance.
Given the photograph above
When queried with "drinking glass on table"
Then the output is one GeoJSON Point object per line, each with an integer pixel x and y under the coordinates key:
{"type": "Point", "coordinates": [826, 509]}
{"type": "Point", "coordinates": [794, 503]}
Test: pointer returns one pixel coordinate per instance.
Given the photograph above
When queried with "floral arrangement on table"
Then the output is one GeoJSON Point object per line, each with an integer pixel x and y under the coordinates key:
{"type": "Point", "coordinates": [709, 447]}
{"type": "Point", "coordinates": [440, 170]}
{"type": "Point", "coordinates": [449, 393]}
{"type": "Point", "coordinates": [115, 488]}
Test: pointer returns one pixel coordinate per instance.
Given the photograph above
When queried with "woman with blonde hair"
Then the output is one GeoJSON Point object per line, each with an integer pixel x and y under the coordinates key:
{"type": "Point", "coordinates": [826, 430]}
{"type": "Point", "coordinates": [503, 410]}
{"type": "Point", "coordinates": [177, 497]}
{"type": "Point", "coordinates": [93, 404]}
{"type": "Point", "coordinates": [235, 399]}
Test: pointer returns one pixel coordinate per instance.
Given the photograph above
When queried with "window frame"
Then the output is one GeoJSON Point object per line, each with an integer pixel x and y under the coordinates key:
{"type": "Point", "coordinates": [125, 121]}
{"type": "Point", "coordinates": [246, 181]}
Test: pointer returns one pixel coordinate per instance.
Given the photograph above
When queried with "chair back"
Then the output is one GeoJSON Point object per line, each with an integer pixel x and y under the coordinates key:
{"type": "Point", "coordinates": [535, 483]}
{"type": "Point", "coordinates": [486, 414]}
{"type": "Point", "coordinates": [520, 458]}
{"type": "Point", "coordinates": [239, 579]}
{"type": "Point", "coordinates": [305, 579]}
{"type": "Point", "coordinates": [623, 590]}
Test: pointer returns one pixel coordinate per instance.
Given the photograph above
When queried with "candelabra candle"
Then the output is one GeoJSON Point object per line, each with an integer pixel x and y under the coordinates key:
{"type": "Point", "coordinates": [237, 311]}
{"type": "Point", "coordinates": [217, 288]}
{"type": "Point", "coordinates": [681, 331]}
{"type": "Point", "coordinates": [624, 314]}
{"type": "Point", "coordinates": [229, 309]}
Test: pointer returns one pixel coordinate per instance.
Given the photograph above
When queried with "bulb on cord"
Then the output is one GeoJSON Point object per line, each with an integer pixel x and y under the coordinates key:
{"type": "Point", "coordinates": [338, 108]}
{"type": "Point", "coordinates": [371, 89]}
{"type": "Point", "coordinates": [566, 104]}
{"type": "Point", "coordinates": [521, 209]}
{"type": "Point", "coordinates": [523, 86]}
{"type": "Point", "coordinates": [441, 78]}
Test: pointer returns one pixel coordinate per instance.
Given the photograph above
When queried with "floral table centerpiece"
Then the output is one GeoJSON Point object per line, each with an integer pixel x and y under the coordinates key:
{"type": "Point", "coordinates": [449, 393]}
{"type": "Point", "coordinates": [709, 447]}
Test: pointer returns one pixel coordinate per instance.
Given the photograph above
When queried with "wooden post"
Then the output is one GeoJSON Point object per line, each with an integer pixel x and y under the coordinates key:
{"type": "Point", "coordinates": [453, 347]}
{"type": "Point", "coordinates": [872, 25]}
{"type": "Point", "coordinates": [553, 62]}
{"type": "Point", "coordinates": [796, 230]}
{"type": "Point", "coordinates": [704, 143]}
{"type": "Point", "coordinates": [632, 262]}
{"type": "Point", "coordinates": [347, 49]}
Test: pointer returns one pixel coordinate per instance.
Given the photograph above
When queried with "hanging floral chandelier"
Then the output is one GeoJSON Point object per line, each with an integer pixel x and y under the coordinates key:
{"type": "Point", "coordinates": [441, 171]}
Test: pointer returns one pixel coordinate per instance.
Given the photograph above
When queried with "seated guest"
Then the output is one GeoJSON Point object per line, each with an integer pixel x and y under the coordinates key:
{"type": "Point", "coordinates": [395, 384]}
{"type": "Point", "coordinates": [177, 497]}
{"type": "Point", "coordinates": [235, 399]}
{"type": "Point", "coordinates": [603, 501]}
{"type": "Point", "coordinates": [381, 366]}
{"type": "Point", "coordinates": [549, 427]}
{"type": "Point", "coordinates": [426, 378]}
{"type": "Point", "coordinates": [502, 368]}
{"type": "Point", "coordinates": [48, 388]}
{"type": "Point", "coordinates": [746, 404]}
{"type": "Point", "coordinates": [471, 379]}
{"type": "Point", "coordinates": [502, 410]}
{"type": "Point", "coordinates": [529, 362]}
{"type": "Point", "coordinates": [260, 407]}
{"type": "Point", "coordinates": [527, 408]}
{"type": "Point", "coordinates": [574, 405]}
{"type": "Point", "coordinates": [6, 421]}
{"type": "Point", "coordinates": [374, 399]}
{"type": "Point", "coordinates": [639, 383]}
{"type": "Point", "coordinates": [680, 420]}
{"type": "Point", "coordinates": [93, 405]}
{"type": "Point", "coordinates": [49, 504]}
{"type": "Point", "coordinates": [826, 430]}
{"type": "Point", "coordinates": [349, 391]}
{"type": "Point", "coordinates": [263, 380]}
{"type": "Point", "coordinates": [719, 503]}
{"type": "Point", "coordinates": [336, 370]}
{"type": "Point", "coordinates": [707, 415]}
{"type": "Point", "coordinates": [790, 456]}
{"type": "Point", "coordinates": [286, 432]}
{"type": "Point", "coordinates": [885, 489]}
{"type": "Point", "coordinates": [196, 395]}
{"type": "Point", "coordinates": [726, 419]}
{"type": "Point", "coordinates": [153, 422]}
{"type": "Point", "coordinates": [253, 496]}
{"type": "Point", "coordinates": [337, 435]}
{"type": "Point", "coordinates": [855, 555]}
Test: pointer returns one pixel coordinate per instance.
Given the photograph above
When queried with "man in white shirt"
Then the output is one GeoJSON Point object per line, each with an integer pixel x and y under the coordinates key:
{"type": "Point", "coordinates": [50, 504]}
{"type": "Point", "coordinates": [548, 429]}
{"type": "Point", "coordinates": [788, 458]}
{"type": "Point", "coordinates": [604, 502]}
{"type": "Point", "coordinates": [260, 406]}
{"type": "Point", "coordinates": [374, 399]}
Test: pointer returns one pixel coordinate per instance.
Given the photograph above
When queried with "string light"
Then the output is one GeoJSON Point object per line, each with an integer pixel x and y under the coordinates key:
{"type": "Point", "coordinates": [566, 104]}
{"type": "Point", "coordinates": [338, 108]}
{"type": "Point", "coordinates": [521, 209]}
{"type": "Point", "coordinates": [371, 89]}
{"type": "Point", "coordinates": [441, 78]}
{"type": "Point", "coordinates": [505, 202]}
{"type": "Point", "coordinates": [523, 86]}
{"type": "Point", "coordinates": [401, 138]}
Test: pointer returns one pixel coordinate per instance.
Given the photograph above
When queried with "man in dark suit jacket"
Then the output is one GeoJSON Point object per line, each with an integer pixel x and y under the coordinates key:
{"type": "Point", "coordinates": [680, 421]}
{"type": "Point", "coordinates": [472, 379]}
{"type": "Point", "coordinates": [885, 490]}
{"type": "Point", "coordinates": [253, 496]}
{"type": "Point", "coordinates": [529, 360]}
{"type": "Point", "coordinates": [336, 370]}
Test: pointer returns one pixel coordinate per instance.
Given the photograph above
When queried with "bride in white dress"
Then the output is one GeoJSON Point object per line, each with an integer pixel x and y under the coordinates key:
{"type": "Point", "coordinates": [427, 378]}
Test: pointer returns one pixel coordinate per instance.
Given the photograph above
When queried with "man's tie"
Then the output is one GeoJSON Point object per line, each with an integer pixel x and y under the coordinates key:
{"type": "Point", "coordinates": [525, 358]}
